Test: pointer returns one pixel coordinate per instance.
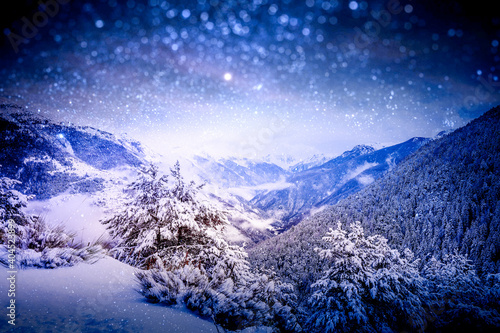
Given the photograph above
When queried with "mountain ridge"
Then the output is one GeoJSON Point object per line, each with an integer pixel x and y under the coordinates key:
{"type": "Point", "coordinates": [442, 199]}
{"type": "Point", "coordinates": [329, 182]}
{"type": "Point", "coordinates": [48, 157]}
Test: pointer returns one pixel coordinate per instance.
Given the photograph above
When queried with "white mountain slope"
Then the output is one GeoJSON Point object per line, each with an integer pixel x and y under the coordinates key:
{"type": "Point", "coordinates": [81, 213]}
{"type": "Point", "coordinates": [100, 297]}
{"type": "Point", "coordinates": [308, 163]}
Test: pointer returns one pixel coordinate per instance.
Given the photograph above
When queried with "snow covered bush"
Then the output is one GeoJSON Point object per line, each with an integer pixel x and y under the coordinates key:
{"type": "Point", "coordinates": [227, 292]}
{"type": "Point", "coordinates": [460, 299]}
{"type": "Point", "coordinates": [368, 286]}
{"type": "Point", "coordinates": [36, 243]}
{"type": "Point", "coordinates": [212, 283]}
{"type": "Point", "coordinates": [53, 257]}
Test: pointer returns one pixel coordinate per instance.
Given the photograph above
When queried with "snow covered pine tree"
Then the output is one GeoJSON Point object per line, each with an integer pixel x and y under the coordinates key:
{"type": "Point", "coordinates": [178, 243]}
{"type": "Point", "coordinates": [369, 287]}
{"type": "Point", "coordinates": [460, 300]}
{"type": "Point", "coordinates": [161, 221]}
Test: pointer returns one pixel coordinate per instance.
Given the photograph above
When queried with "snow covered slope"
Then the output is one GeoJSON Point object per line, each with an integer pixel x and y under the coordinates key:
{"type": "Point", "coordinates": [50, 159]}
{"type": "Point", "coordinates": [101, 297]}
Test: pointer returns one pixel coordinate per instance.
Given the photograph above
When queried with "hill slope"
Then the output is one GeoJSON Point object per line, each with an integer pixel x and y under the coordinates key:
{"type": "Point", "coordinates": [92, 298]}
{"type": "Point", "coordinates": [329, 182]}
{"type": "Point", "coordinates": [50, 158]}
{"type": "Point", "coordinates": [443, 198]}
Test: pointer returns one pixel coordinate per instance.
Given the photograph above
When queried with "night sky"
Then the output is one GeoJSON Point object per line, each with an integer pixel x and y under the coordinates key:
{"type": "Point", "coordinates": [248, 79]}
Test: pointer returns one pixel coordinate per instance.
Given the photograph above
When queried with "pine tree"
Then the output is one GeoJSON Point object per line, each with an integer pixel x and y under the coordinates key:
{"type": "Point", "coordinates": [179, 241]}
{"type": "Point", "coordinates": [368, 287]}
{"type": "Point", "coordinates": [12, 201]}
{"type": "Point", "coordinates": [460, 300]}
{"type": "Point", "coordinates": [162, 219]}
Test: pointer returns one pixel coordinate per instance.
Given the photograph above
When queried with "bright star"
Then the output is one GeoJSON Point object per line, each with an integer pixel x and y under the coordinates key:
{"type": "Point", "coordinates": [228, 76]}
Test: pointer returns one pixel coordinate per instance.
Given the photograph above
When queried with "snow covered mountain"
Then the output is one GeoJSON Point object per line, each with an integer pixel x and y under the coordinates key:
{"type": "Point", "coordinates": [311, 162]}
{"type": "Point", "coordinates": [329, 182]}
{"type": "Point", "coordinates": [443, 199]}
{"type": "Point", "coordinates": [434, 200]}
{"type": "Point", "coordinates": [440, 206]}
{"type": "Point", "coordinates": [50, 159]}
{"type": "Point", "coordinates": [77, 175]}
{"type": "Point", "coordinates": [64, 165]}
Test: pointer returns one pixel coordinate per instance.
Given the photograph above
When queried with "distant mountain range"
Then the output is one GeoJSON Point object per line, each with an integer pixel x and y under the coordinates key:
{"type": "Point", "coordinates": [313, 161]}
{"type": "Point", "coordinates": [441, 199]}
{"type": "Point", "coordinates": [261, 198]}
{"type": "Point", "coordinates": [286, 196]}
{"type": "Point", "coordinates": [329, 182]}
{"type": "Point", "coordinates": [233, 173]}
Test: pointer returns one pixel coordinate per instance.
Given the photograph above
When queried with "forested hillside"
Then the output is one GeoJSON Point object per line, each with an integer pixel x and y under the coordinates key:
{"type": "Point", "coordinates": [442, 199]}
{"type": "Point", "coordinates": [332, 181]}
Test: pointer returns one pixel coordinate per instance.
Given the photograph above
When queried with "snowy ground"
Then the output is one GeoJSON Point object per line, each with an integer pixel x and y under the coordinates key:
{"type": "Point", "coordinates": [76, 212]}
{"type": "Point", "coordinates": [90, 298]}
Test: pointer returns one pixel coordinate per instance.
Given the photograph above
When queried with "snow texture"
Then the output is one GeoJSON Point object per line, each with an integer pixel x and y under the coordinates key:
{"type": "Point", "coordinates": [92, 298]}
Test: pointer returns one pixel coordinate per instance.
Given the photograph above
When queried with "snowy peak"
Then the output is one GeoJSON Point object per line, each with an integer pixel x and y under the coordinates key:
{"type": "Point", "coordinates": [232, 172]}
{"type": "Point", "coordinates": [284, 161]}
{"type": "Point", "coordinates": [96, 148]}
{"type": "Point", "coordinates": [50, 158]}
{"type": "Point", "coordinates": [311, 162]}
{"type": "Point", "coordinates": [358, 151]}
